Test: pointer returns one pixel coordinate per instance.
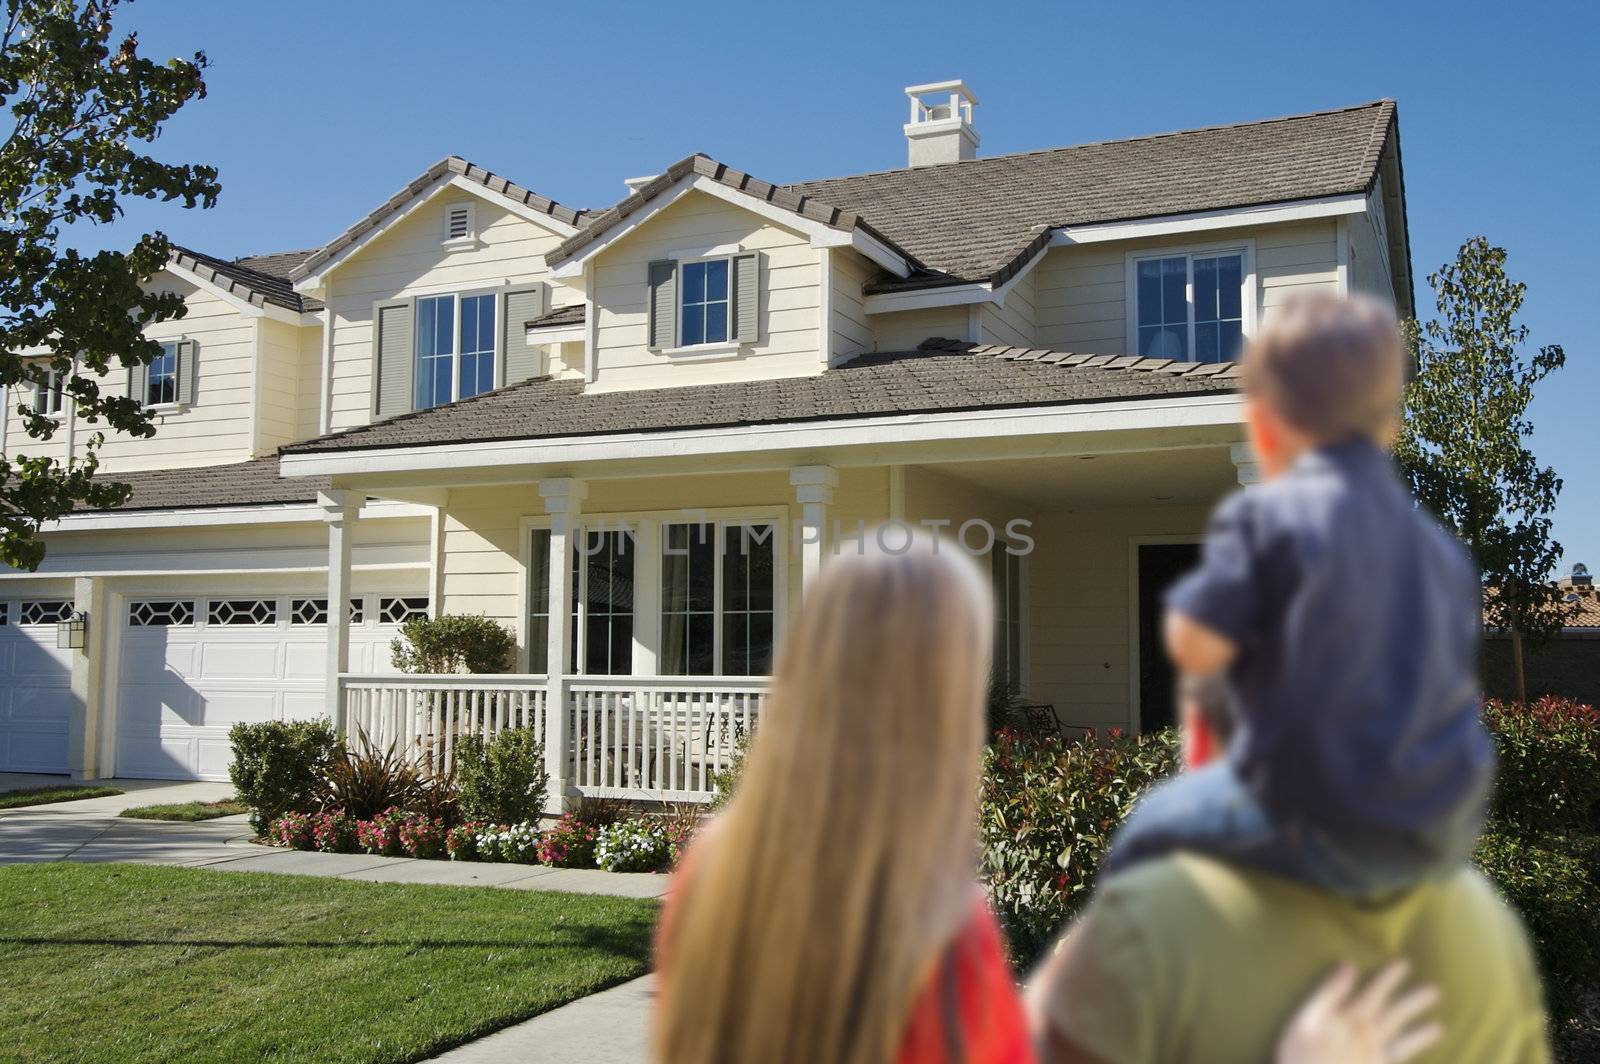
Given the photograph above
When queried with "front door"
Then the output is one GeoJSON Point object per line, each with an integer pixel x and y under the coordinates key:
{"type": "Point", "coordinates": [1160, 565]}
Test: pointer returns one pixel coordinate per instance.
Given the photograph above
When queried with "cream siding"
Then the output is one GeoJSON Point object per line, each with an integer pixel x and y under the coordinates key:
{"type": "Point", "coordinates": [1081, 297]}
{"type": "Point", "coordinates": [1368, 258]}
{"type": "Point", "coordinates": [904, 330]}
{"type": "Point", "coordinates": [789, 342]}
{"type": "Point", "coordinates": [851, 329]}
{"type": "Point", "coordinates": [1012, 321]}
{"type": "Point", "coordinates": [410, 260]}
{"type": "Point", "coordinates": [280, 392]}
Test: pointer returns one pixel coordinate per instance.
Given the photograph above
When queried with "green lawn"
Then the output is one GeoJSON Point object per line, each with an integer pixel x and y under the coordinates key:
{"type": "Point", "coordinates": [131, 964]}
{"type": "Point", "coordinates": [59, 793]}
{"type": "Point", "coordinates": [187, 811]}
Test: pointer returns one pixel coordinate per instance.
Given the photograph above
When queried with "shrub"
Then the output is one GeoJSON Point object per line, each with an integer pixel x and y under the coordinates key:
{"type": "Point", "coordinates": [292, 831]}
{"type": "Point", "coordinates": [642, 844]}
{"type": "Point", "coordinates": [1542, 844]}
{"type": "Point", "coordinates": [571, 843]}
{"type": "Point", "coordinates": [1049, 808]}
{"type": "Point", "coordinates": [276, 766]}
{"type": "Point", "coordinates": [461, 841]}
{"type": "Point", "coordinates": [421, 836]}
{"type": "Point", "coordinates": [451, 643]}
{"type": "Point", "coordinates": [380, 836]}
{"type": "Point", "coordinates": [724, 782]}
{"type": "Point", "coordinates": [363, 782]}
{"type": "Point", "coordinates": [333, 833]}
{"type": "Point", "coordinates": [502, 780]}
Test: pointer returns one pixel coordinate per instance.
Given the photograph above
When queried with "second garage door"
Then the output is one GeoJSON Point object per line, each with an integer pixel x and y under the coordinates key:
{"type": "Point", "coordinates": [191, 668]}
{"type": "Point", "coordinates": [35, 686]}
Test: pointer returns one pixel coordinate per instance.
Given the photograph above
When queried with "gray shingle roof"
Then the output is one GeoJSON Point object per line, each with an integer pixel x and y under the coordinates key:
{"type": "Point", "coordinates": [258, 279]}
{"type": "Point", "coordinates": [561, 316]}
{"type": "Point", "coordinates": [942, 375]}
{"type": "Point", "coordinates": [975, 220]}
{"type": "Point", "coordinates": [449, 164]}
{"type": "Point", "coordinates": [803, 204]}
{"type": "Point", "coordinates": [255, 482]}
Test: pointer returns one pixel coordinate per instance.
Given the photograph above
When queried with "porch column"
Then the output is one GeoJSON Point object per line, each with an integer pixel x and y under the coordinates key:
{"type": "Point", "coordinates": [88, 679]}
{"type": "Point", "coordinates": [813, 490]}
{"type": "Point", "coordinates": [1244, 463]}
{"type": "Point", "coordinates": [563, 501]}
{"type": "Point", "coordinates": [339, 510]}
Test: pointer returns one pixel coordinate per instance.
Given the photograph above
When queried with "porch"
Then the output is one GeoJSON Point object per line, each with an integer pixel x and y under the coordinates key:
{"type": "Point", "coordinates": [650, 590]}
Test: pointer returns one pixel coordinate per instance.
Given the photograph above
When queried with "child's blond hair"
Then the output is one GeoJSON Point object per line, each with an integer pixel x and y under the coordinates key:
{"type": "Point", "coordinates": [1330, 366]}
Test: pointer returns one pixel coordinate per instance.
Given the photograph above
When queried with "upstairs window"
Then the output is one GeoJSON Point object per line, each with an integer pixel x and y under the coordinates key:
{"type": "Point", "coordinates": [1190, 307]}
{"type": "Point", "coordinates": [704, 317]}
{"type": "Point", "coordinates": [455, 348]}
{"type": "Point", "coordinates": [161, 378]}
{"type": "Point", "coordinates": [47, 395]}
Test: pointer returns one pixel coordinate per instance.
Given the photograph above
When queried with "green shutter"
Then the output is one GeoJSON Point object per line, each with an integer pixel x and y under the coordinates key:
{"type": "Point", "coordinates": [138, 383]}
{"type": "Point", "coordinates": [394, 356]}
{"type": "Point", "coordinates": [522, 359]}
{"type": "Point", "coordinates": [747, 297]}
{"type": "Point", "coordinates": [663, 304]}
{"type": "Point", "coordinates": [186, 372]}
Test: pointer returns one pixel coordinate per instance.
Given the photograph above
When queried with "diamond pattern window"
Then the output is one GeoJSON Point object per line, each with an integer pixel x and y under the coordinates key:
{"type": "Point", "coordinates": [160, 613]}
{"type": "Point", "coordinates": [45, 611]}
{"type": "Point", "coordinates": [401, 610]}
{"type": "Point", "coordinates": [242, 612]}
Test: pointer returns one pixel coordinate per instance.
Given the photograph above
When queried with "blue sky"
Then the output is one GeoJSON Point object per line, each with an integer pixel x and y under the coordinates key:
{"type": "Point", "coordinates": [317, 112]}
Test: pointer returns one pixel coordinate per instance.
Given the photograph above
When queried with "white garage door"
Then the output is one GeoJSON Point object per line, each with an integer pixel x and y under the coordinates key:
{"type": "Point", "coordinates": [191, 668]}
{"type": "Point", "coordinates": [35, 686]}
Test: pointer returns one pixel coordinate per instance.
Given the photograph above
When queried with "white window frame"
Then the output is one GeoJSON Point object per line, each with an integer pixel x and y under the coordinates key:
{"type": "Point", "coordinates": [177, 379]}
{"type": "Point", "coordinates": [1247, 297]}
{"type": "Point", "coordinates": [719, 543]}
{"type": "Point", "coordinates": [455, 356]}
{"type": "Point", "coordinates": [713, 347]}
{"type": "Point", "coordinates": [470, 237]}
{"type": "Point", "coordinates": [55, 383]}
{"type": "Point", "coordinates": [647, 527]}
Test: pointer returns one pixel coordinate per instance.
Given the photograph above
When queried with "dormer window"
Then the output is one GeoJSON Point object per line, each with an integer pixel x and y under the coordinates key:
{"type": "Point", "coordinates": [705, 303]}
{"type": "Point", "coordinates": [1191, 306]}
{"type": "Point", "coordinates": [161, 381]}
{"type": "Point", "coordinates": [460, 226]}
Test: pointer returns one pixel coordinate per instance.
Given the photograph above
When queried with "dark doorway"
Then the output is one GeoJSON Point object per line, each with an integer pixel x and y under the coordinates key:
{"type": "Point", "coordinates": [1160, 564]}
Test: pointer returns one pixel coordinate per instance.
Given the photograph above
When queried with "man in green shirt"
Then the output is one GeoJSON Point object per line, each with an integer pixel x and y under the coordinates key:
{"type": "Point", "coordinates": [1187, 959]}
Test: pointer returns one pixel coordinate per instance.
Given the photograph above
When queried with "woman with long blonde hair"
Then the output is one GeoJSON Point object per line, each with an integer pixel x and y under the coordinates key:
{"type": "Point", "coordinates": [831, 915]}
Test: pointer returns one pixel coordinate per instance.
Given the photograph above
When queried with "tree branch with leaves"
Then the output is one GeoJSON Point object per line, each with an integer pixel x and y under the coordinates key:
{"type": "Point", "coordinates": [1464, 443]}
{"type": "Point", "coordinates": [83, 106]}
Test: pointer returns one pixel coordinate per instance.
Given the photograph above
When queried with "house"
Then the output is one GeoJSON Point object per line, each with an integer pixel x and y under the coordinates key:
{"type": "Point", "coordinates": [655, 422]}
{"type": "Point", "coordinates": [1566, 664]}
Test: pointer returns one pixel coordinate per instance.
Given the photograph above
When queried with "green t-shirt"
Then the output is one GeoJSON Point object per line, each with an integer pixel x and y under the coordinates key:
{"type": "Point", "coordinates": [1186, 959]}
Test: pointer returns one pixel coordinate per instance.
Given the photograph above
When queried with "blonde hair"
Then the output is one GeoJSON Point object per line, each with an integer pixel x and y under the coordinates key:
{"type": "Point", "coordinates": [845, 863]}
{"type": "Point", "coordinates": [1330, 366]}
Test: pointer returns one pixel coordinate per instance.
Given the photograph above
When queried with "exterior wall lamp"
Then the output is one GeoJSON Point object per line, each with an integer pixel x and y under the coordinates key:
{"type": "Point", "coordinates": [73, 633]}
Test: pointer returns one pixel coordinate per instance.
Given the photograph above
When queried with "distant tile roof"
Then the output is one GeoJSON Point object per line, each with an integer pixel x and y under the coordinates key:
{"type": "Point", "coordinates": [802, 204]}
{"type": "Point", "coordinates": [448, 165]}
{"type": "Point", "coordinates": [561, 316]}
{"type": "Point", "coordinates": [942, 375]}
{"type": "Point", "coordinates": [975, 220]}
{"type": "Point", "coordinates": [259, 279]}
{"type": "Point", "coordinates": [255, 482]}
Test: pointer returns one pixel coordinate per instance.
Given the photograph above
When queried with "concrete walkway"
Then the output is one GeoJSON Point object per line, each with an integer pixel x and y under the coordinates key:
{"type": "Point", "coordinates": [611, 1027]}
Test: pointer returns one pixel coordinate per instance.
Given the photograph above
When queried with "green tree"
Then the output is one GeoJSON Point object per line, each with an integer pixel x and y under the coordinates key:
{"type": "Point", "coordinates": [82, 103]}
{"type": "Point", "coordinates": [1464, 443]}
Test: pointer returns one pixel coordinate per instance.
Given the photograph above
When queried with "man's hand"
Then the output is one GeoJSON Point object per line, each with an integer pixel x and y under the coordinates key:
{"type": "Point", "coordinates": [1195, 648]}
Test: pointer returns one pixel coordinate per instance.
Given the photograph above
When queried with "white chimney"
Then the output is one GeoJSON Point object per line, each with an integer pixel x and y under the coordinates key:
{"type": "Point", "coordinates": [636, 183]}
{"type": "Point", "coordinates": [940, 130]}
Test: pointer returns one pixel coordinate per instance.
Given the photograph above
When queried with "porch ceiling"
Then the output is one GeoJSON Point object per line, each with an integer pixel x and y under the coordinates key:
{"type": "Point", "coordinates": [1177, 475]}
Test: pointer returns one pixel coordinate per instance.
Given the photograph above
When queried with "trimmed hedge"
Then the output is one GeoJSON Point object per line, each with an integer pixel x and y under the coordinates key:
{"type": "Point", "coordinates": [278, 766]}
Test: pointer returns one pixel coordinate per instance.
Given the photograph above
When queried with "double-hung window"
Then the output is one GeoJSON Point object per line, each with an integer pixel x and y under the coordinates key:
{"type": "Point", "coordinates": [703, 317]}
{"type": "Point", "coordinates": [161, 378]}
{"type": "Point", "coordinates": [455, 348]}
{"type": "Point", "coordinates": [1192, 307]}
{"type": "Point", "coordinates": [48, 393]}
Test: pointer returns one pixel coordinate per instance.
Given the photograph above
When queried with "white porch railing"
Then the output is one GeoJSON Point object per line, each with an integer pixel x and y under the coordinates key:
{"type": "Point", "coordinates": [658, 738]}
{"type": "Point", "coordinates": [425, 716]}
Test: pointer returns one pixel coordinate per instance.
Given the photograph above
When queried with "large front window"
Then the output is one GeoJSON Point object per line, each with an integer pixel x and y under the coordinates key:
{"type": "Point", "coordinates": [1190, 307]}
{"type": "Point", "coordinates": [602, 613]}
{"type": "Point", "coordinates": [161, 380]}
{"type": "Point", "coordinates": [718, 590]}
{"type": "Point", "coordinates": [705, 303]}
{"type": "Point", "coordinates": [455, 348]}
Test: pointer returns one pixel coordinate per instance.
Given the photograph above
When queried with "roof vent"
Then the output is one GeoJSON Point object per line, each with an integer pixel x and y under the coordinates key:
{"type": "Point", "coordinates": [940, 130]}
{"type": "Point", "coordinates": [1580, 575]}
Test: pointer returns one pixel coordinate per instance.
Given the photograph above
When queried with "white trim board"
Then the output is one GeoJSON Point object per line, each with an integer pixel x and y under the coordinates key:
{"type": "Point", "coordinates": [238, 303]}
{"type": "Point", "coordinates": [203, 517]}
{"type": "Point", "coordinates": [1143, 414]}
{"type": "Point", "coordinates": [820, 236]}
{"type": "Point", "coordinates": [1200, 221]}
{"type": "Point", "coordinates": [951, 295]}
